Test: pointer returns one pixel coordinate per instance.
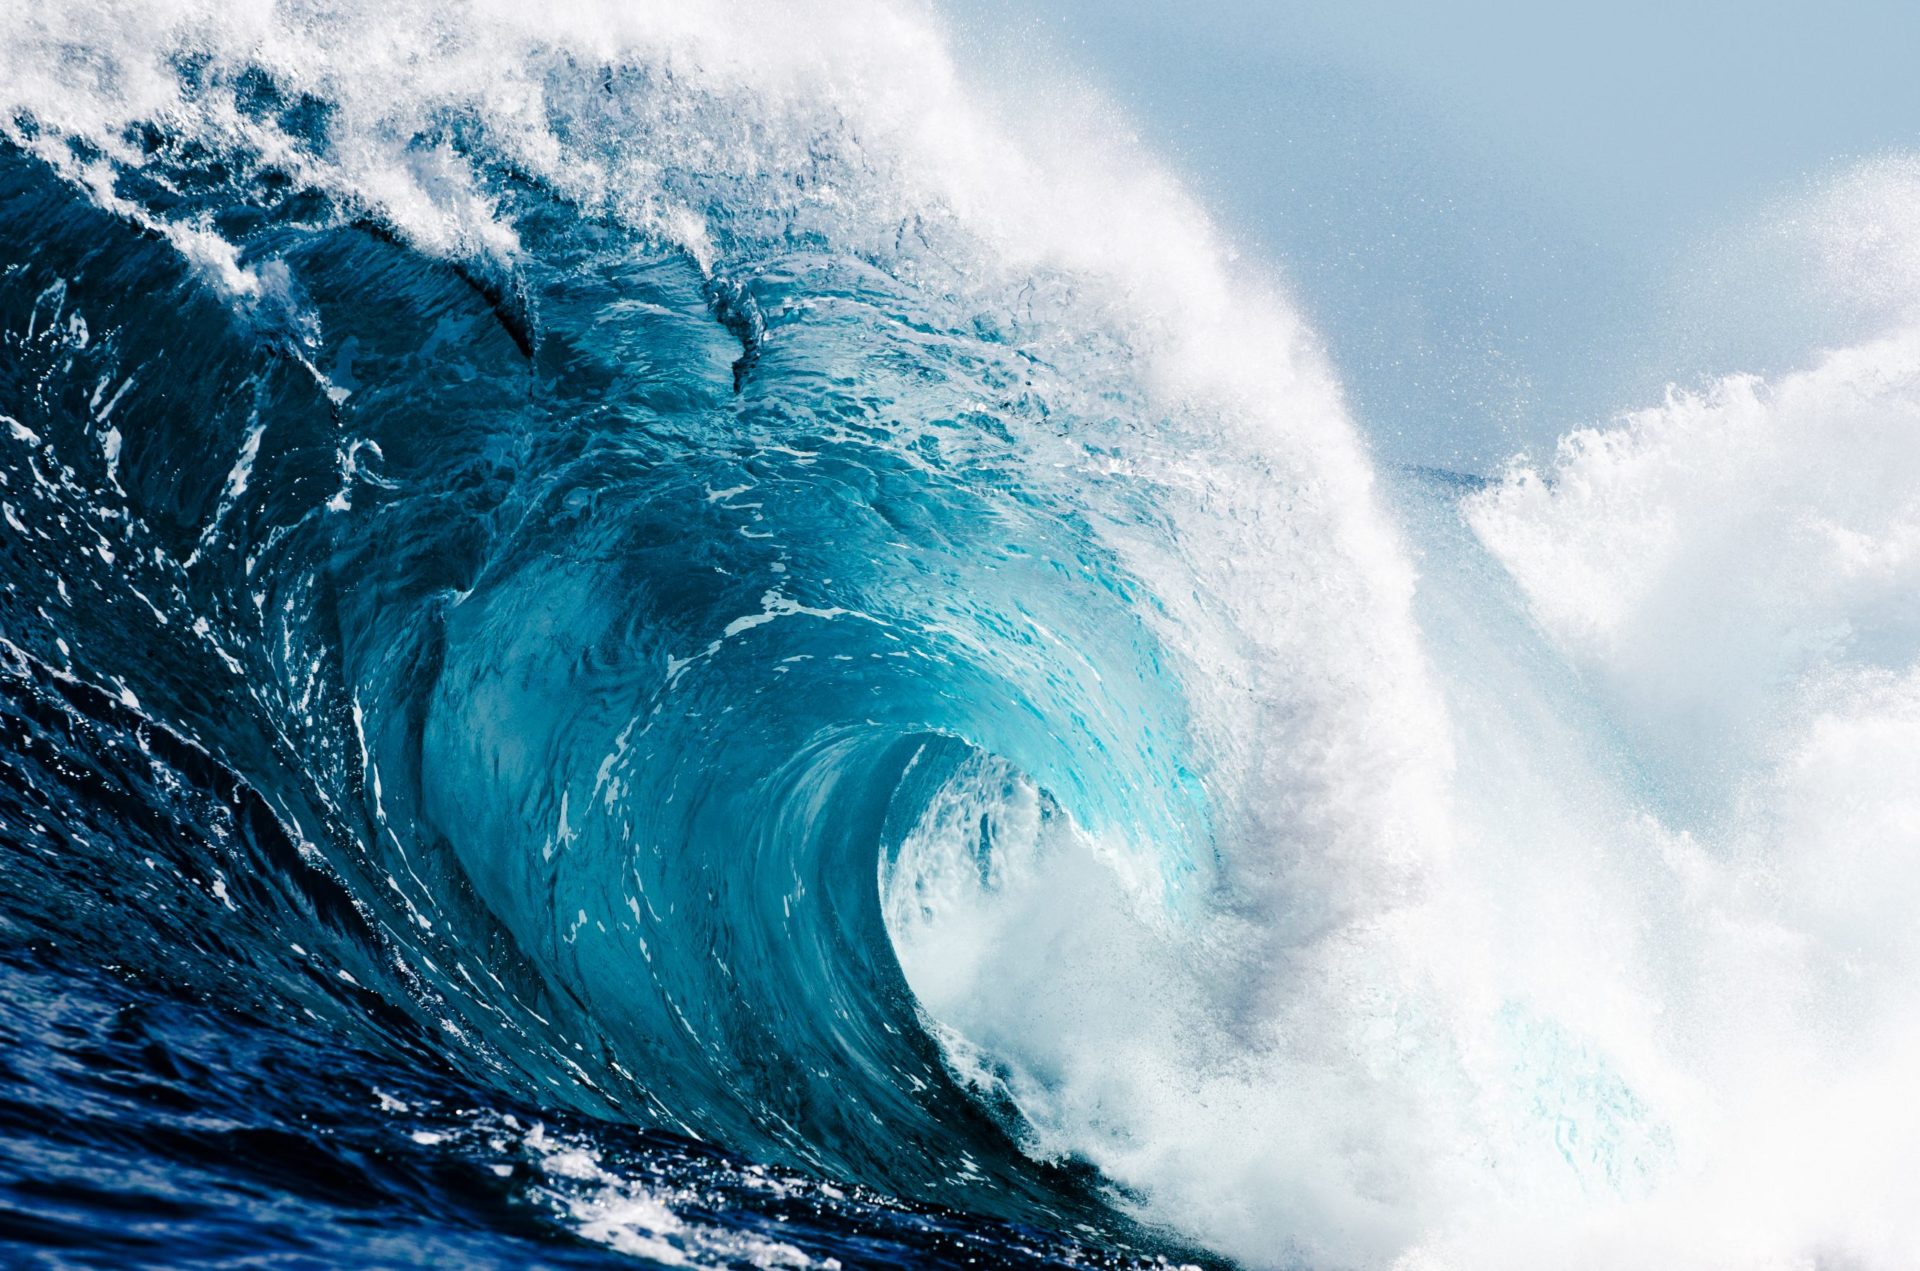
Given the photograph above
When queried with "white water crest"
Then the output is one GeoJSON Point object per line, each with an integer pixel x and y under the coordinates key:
{"type": "Point", "coordinates": [1657, 1007]}
{"type": "Point", "coordinates": [1553, 905]}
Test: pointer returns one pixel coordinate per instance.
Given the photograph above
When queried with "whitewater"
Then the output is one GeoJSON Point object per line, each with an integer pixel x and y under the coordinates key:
{"type": "Point", "coordinates": [698, 632]}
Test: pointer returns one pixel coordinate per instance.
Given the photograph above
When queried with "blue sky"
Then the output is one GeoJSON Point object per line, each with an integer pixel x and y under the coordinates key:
{"type": "Point", "coordinates": [1505, 218]}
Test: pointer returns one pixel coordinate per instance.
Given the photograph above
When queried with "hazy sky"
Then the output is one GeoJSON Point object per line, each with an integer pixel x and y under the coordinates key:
{"type": "Point", "coordinates": [1497, 213]}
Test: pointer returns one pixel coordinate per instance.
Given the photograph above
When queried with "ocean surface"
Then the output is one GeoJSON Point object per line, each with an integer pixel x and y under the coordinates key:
{"type": "Point", "coordinates": [689, 635]}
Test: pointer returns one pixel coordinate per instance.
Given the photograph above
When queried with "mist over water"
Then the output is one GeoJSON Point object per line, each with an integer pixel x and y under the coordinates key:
{"type": "Point", "coordinates": [742, 647]}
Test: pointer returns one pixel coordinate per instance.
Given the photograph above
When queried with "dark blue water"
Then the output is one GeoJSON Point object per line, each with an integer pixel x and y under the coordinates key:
{"type": "Point", "coordinates": [332, 617]}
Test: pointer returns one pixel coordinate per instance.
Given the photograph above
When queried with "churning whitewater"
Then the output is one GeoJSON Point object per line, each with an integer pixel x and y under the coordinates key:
{"type": "Point", "coordinates": [680, 631]}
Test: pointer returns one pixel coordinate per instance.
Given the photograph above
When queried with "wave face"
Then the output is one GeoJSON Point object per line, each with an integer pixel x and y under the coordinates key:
{"type": "Point", "coordinates": [681, 632]}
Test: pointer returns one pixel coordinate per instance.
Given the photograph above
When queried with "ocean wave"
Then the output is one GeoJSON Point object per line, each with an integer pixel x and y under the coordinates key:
{"type": "Point", "coordinates": [700, 577]}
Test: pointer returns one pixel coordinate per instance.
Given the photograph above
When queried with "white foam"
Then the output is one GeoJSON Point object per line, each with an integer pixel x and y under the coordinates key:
{"type": "Point", "coordinates": [1635, 987]}
{"type": "Point", "coordinates": [1734, 573]}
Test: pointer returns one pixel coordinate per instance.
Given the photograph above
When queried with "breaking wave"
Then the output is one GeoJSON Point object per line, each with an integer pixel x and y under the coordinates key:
{"type": "Point", "coordinates": [701, 572]}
